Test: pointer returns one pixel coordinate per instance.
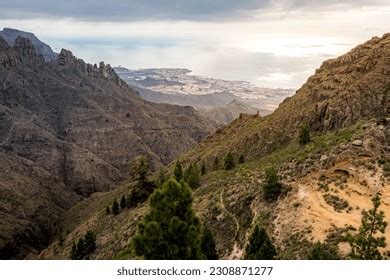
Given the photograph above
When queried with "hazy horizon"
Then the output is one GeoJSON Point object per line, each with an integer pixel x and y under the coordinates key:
{"type": "Point", "coordinates": [276, 44]}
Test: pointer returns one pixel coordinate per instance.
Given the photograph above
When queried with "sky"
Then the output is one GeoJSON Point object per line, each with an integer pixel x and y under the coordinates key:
{"type": "Point", "coordinates": [270, 43]}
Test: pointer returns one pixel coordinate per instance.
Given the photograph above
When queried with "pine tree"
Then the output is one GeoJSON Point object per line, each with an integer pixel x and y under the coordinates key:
{"type": "Point", "coordinates": [139, 170]}
{"type": "Point", "coordinates": [143, 187]}
{"type": "Point", "coordinates": [366, 243]}
{"type": "Point", "coordinates": [322, 251]}
{"type": "Point", "coordinates": [192, 176]}
{"type": "Point", "coordinates": [170, 231]}
{"type": "Point", "coordinates": [73, 252]}
{"type": "Point", "coordinates": [123, 203]}
{"type": "Point", "coordinates": [108, 210]}
{"type": "Point", "coordinates": [208, 245]}
{"type": "Point", "coordinates": [161, 178]}
{"type": "Point", "coordinates": [80, 249]}
{"type": "Point", "coordinates": [90, 242]}
{"type": "Point", "coordinates": [260, 246]}
{"type": "Point", "coordinates": [229, 161]}
{"type": "Point", "coordinates": [272, 188]}
{"type": "Point", "coordinates": [84, 246]}
{"type": "Point", "coordinates": [241, 159]}
{"type": "Point", "coordinates": [304, 134]}
{"type": "Point", "coordinates": [178, 172]}
{"type": "Point", "coordinates": [216, 163]}
{"type": "Point", "coordinates": [203, 169]}
{"type": "Point", "coordinates": [115, 207]}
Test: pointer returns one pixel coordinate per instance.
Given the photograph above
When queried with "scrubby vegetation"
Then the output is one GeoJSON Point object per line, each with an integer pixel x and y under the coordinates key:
{"type": "Point", "coordinates": [321, 251]}
{"type": "Point", "coordinates": [338, 203]}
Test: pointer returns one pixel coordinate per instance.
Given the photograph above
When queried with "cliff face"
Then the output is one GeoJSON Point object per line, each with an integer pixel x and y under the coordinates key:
{"type": "Point", "coordinates": [69, 129]}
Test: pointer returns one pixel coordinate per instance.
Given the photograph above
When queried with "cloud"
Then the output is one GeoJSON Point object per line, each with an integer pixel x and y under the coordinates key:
{"type": "Point", "coordinates": [128, 10]}
{"type": "Point", "coordinates": [269, 43]}
{"type": "Point", "coordinates": [135, 10]}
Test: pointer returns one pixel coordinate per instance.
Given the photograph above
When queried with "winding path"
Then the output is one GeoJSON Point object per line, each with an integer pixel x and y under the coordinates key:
{"type": "Point", "coordinates": [236, 252]}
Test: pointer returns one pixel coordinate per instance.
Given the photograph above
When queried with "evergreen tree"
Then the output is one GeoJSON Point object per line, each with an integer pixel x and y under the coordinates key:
{"type": "Point", "coordinates": [61, 240]}
{"type": "Point", "coordinates": [365, 244]}
{"type": "Point", "coordinates": [208, 245]}
{"type": "Point", "coordinates": [322, 251]}
{"type": "Point", "coordinates": [241, 159]}
{"type": "Point", "coordinates": [108, 210]}
{"type": "Point", "coordinates": [80, 249]}
{"type": "Point", "coordinates": [216, 163]}
{"type": "Point", "coordinates": [73, 252]}
{"type": "Point", "coordinates": [229, 161]}
{"type": "Point", "coordinates": [123, 203]}
{"type": "Point", "coordinates": [192, 176]}
{"type": "Point", "coordinates": [143, 187]}
{"type": "Point", "coordinates": [272, 188]}
{"type": "Point", "coordinates": [203, 170]}
{"type": "Point", "coordinates": [260, 246]}
{"type": "Point", "coordinates": [178, 172]}
{"type": "Point", "coordinates": [170, 231]}
{"type": "Point", "coordinates": [89, 242]}
{"type": "Point", "coordinates": [139, 170]}
{"type": "Point", "coordinates": [304, 134]}
{"type": "Point", "coordinates": [115, 207]}
{"type": "Point", "coordinates": [161, 178]}
{"type": "Point", "coordinates": [84, 246]}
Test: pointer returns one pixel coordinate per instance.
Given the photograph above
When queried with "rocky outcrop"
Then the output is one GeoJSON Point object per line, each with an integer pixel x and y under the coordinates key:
{"type": "Point", "coordinates": [41, 48]}
{"type": "Point", "coordinates": [25, 51]}
{"type": "Point", "coordinates": [69, 129]}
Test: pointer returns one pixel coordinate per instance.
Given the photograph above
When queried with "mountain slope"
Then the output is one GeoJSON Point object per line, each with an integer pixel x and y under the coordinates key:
{"type": "Point", "coordinates": [69, 129]}
{"type": "Point", "coordinates": [326, 182]}
{"type": "Point", "coordinates": [226, 114]}
{"type": "Point", "coordinates": [178, 86]}
{"type": "Point", "coordinates": [343, 91]}
{"type": "Point", "coordinates": [10, 36]}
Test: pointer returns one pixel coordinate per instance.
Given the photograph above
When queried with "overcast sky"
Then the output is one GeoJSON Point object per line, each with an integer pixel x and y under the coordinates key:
{"type": "Point", "coordinates": [271, 43]}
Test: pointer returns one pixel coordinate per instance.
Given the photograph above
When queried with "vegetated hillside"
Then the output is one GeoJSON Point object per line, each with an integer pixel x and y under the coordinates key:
{"type": "Point", "coordinates": [10, 35]}
{"type": "Point", "coordinates": [326, 182]}
{"type": "Point", "coordinates": [69, 129]}
{"type": "Point", "coordinates": [226, 114]}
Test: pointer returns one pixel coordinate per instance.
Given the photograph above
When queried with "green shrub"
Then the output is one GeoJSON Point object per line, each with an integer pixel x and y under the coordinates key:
{"type": "Point", "coordinates": [229, 161]}
{"type": "Point", "coordinates": [322, 251]}
{"type": "Point", "coordinates": [272, 188]}
{"type": "Point", "coordinates": [304, 134]}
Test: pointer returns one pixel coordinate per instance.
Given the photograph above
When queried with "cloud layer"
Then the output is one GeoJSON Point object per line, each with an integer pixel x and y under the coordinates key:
{"type": "Point", "coordinates": [274, 43]}
{"type": "Point", "coordinates": [134, 10]}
